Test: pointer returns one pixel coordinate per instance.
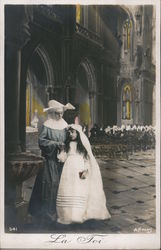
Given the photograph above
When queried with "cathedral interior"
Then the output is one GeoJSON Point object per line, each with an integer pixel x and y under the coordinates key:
{"type": "Point", "coordinates": [100, 58]}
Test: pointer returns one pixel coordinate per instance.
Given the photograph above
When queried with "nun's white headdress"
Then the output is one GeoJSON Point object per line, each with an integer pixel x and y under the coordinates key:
{"type": "Point", "coordinates": [56, 106]}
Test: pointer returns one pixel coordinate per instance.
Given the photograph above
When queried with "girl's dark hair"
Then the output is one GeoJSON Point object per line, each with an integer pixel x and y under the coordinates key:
{"type": "Point", "coordinates": [80, 148]}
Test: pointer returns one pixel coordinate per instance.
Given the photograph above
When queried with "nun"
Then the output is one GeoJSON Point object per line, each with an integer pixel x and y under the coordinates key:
{"type": "Point", "coordinates": [51, 139]}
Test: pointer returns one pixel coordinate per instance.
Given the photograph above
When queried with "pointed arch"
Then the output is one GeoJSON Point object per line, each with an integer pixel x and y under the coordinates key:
{"type": "Point", "coordinates": [128, 33]}
{"type": "Point", "coordinates": [87, 88]}
{"type": "Point", "coordinates": [90, 71]}
{"type": "Point", "coordinates": [40, 77]}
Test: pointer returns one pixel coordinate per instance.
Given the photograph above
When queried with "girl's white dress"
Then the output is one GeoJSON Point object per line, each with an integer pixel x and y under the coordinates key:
{"type": "Point", "coordinates": [80, 199]}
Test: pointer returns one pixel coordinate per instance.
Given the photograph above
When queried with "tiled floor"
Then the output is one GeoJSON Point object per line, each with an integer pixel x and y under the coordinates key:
{"type": "Point", "coordinates": [129, 186]}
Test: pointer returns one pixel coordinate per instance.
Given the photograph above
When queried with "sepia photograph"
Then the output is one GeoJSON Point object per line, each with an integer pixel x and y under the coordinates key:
{"type": "Point", "coordinates": [80, 124]}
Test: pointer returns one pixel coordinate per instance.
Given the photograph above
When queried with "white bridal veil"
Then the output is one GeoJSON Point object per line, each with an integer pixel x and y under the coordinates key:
{"type": "Point", "coordinates": [96, 206]}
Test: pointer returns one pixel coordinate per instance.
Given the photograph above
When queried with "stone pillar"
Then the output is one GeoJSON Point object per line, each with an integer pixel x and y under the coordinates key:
{"type": "Point", "coordinates": [18, 166]}
{"type": "Point", "coordinates": [69, 29]}
{"type": "Point", "coordinates": [16, 36]}
{"type": "Point", "coordinates": [12, 93]}
{"type": "Point", "coordinates": [100, 111]}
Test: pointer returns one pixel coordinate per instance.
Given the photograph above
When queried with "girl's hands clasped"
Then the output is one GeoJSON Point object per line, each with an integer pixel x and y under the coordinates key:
{"type": "Point", "coordinates": [83, 174]}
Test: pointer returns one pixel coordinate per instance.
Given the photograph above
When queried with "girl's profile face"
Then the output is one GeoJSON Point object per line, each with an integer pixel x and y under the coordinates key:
{"type": "Point", "coordinates": [72, 134]}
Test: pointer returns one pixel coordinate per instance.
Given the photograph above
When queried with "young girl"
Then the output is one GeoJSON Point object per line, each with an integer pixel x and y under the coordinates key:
{"type": "Point", "coordinates": [80, 193]}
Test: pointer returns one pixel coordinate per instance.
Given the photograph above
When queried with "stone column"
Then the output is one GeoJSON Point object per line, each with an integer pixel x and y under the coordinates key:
{"type": "Point", "coordinates": [12, 93]}
{"type": "Point", "coordinates": [16, 36]}
{"type": "Point", "coordinates": [69, 29]}
{"type": "Point", "coordinates": [18, 166]}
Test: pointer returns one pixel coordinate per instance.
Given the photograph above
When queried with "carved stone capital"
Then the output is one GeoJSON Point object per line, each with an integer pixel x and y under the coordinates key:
{"type": "Point", "coordinates": [17, 29]}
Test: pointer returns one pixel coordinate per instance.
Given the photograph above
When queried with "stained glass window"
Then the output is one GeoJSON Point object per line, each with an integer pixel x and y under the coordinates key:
{"type": "Point", "coordinates": [78, 13]}
{"type": "Point", "coordinates": [126, 103]}
{"type": "Point", "coordinates": [127, 34]}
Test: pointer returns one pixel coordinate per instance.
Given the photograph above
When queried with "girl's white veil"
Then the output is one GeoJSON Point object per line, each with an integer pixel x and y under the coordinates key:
{"type": "Point", "coordinates": [96, 206]}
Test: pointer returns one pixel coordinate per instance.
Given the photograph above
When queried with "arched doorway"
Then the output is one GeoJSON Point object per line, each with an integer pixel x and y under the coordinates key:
{"type": "Point", "coordinates": [40, 79]}
{"type": "Point", "coordinates": [39, 85]}
{"type": "Point", "coordinates": [85, 94]}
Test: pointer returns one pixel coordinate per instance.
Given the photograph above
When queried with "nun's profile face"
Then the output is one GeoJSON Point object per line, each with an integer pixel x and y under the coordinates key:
{"type": "Point", "coordinates": [58, 114]}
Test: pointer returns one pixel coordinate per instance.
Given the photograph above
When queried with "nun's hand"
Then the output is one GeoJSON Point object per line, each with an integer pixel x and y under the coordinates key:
{"type": "Point", "coordinates": [62, 156]}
